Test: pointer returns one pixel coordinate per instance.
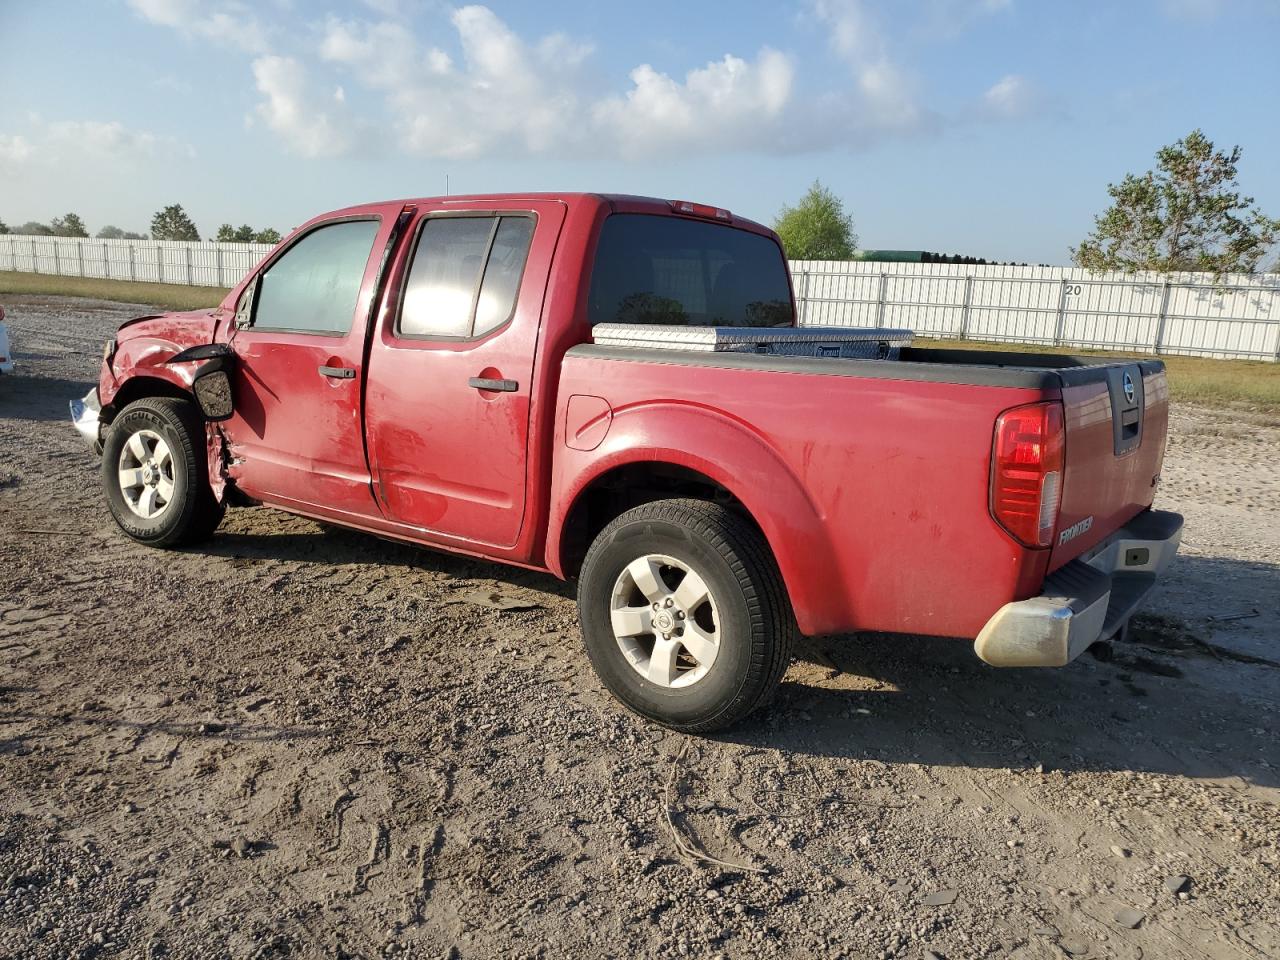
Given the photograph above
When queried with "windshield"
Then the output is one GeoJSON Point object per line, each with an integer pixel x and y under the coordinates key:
{"type": "Point", "coordinates": [668, 270]}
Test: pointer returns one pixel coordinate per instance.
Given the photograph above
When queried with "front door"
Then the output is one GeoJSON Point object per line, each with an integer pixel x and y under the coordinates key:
{"type": "Point", "coordinates": [299, 333]}
{"type": "Point", "coordinates": [447, 405]}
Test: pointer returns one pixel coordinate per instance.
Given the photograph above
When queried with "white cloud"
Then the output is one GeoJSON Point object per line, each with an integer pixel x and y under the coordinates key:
{"type": "Point", "coordinates": [1009, 98]}
{"type": "Point", "coordinates": [883, 96]}
{"type": "Point", "coordinates": [103, 144]}
{"type": "Point", "coordinates": [382, 54]}
{"type": "Point", "coordinates": [504, 94]}
{"type": "Point", "coordinates": [290, 108]}
{"type": "Point", "coordinates": [109, 139]}
{"type": "Point", "coordinates": [229, 23]}
{"type": "Point", "coordinates": [470, 86]}
{"type": "Point", "coordinates": [102, 137]}
{"type": "Point", "coordinates": [558, 50]}
{"type": "Point", "coordinates": [168, 13]}
{"type": "Point", "coordinates": [721, 104]}
{"type": "Point", "coordinates": [14, 150]}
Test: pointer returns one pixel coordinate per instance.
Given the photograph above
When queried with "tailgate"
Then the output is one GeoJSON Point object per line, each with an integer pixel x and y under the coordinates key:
{"type": "Point", "coordinates": [1116, 418]}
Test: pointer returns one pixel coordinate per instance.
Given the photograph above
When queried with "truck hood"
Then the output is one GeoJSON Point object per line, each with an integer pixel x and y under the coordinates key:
{"type": "Point", "coordinates": [181, 329]}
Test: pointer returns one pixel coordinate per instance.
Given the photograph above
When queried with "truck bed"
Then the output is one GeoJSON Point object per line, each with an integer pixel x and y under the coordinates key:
{"type": "Point", "coordinates": [894, 458]}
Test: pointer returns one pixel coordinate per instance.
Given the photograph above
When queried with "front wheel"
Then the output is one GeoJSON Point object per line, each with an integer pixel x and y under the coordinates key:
{"type": "Point", "coordinates": [154, 471]}
{"type": "Point", "coordinates": [685, 615]}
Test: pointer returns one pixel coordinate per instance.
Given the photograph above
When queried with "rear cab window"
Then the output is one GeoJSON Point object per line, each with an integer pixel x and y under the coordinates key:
{"type": "Point", "coordinates": [657, 269]}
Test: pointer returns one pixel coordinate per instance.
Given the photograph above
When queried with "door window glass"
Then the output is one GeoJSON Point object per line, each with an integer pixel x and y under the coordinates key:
{"type": "Point", "coordinates": [465, 275]}
{"type": "Point", "coordinates": [503, 273]}
{"type": "Point", "coordinates": [314, 286]}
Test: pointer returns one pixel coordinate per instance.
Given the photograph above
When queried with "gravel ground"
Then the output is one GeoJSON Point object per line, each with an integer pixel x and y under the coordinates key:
{"type": "Point", "coordinates": [300, 742]}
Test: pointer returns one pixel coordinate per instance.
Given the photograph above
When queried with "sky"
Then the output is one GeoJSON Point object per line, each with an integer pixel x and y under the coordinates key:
{"type": "Point", "coordinates": [983, 127]}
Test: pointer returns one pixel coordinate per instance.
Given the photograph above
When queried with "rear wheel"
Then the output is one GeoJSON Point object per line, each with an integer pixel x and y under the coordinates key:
{"type": "Point", "coordinates": [685, 616]}
{"type": "Point", "coordinates": [154, 471]}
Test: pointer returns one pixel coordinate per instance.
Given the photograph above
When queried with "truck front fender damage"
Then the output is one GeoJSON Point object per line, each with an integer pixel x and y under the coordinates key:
{"type": "Point", "coordinates": [216, 448]}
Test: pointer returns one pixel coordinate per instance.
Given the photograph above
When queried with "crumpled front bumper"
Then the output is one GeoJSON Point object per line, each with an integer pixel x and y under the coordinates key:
{"type": "Point", "coordinates": [85, 417]}
{"type": "Point", "coordinates": [1089, 599]}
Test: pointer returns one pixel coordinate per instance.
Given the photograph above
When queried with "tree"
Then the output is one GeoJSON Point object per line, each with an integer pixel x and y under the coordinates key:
{"type": "Point", "coordinates": [3, 227]}
{"type": "Point", "coordinates": [172, 223]}
{"type": "Point", "coordinates": [817, 228]}
{"type": "Point", "coordinates": [246, 234]}
{"type": "Point", "coordinates": [35, 229]}
{"type": "Point", "coordinates": [115, 233]}
{"type": "Point", "coordinates": [230, 234]}
{"type": "Point", "coordinates": [1187, 214]}
{"type": "Point", "coordinates": [68, 226]}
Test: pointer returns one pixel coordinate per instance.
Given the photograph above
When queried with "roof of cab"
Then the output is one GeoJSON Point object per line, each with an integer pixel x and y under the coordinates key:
{"type": "Point", "coordinates": [619, 202]}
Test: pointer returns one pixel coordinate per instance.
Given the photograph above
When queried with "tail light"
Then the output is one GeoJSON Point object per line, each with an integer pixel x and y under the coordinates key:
{"type": "Point", "coordinates": [1026, 472]}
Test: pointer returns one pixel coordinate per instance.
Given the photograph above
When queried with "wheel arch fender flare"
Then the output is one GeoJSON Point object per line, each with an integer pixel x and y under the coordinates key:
{"type": "Point", "coordinates": [734, 456]}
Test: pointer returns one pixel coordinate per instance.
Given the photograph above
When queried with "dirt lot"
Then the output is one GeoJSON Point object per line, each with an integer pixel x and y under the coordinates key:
{"type": "Point", "coordinates": [296, 742]}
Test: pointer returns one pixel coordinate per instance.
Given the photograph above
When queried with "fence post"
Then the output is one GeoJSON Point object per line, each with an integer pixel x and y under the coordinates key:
{"type": "Point", "coordinates": [1062, 313]}
{"type": "Point", "coordinates": [133, 267]}
{"type": "Point", "coordinates": [57, 260]}
{"type": "Point", "coordinates": [190, 281]}
{"type": "Point", "coordinates": [218, 260]}
{"type": "Point", "coordinates": [80, 255]}
{"type": "Point", "coordinates": [884, 280]}
{"type": "Point", "coordinates": [1164, 312]}
{"type": "Point", "coordinates": [35, 264]}
{"type": "Point", "coordinates": [968, 302]}
{"type": "Point", "coordinates": [106, 260]}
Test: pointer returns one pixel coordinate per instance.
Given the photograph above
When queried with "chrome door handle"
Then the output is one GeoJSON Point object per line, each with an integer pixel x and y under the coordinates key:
{"type": "Point", "coordinates": [487, 383]}
{"type": "Point", "coordinates": [338, 373]}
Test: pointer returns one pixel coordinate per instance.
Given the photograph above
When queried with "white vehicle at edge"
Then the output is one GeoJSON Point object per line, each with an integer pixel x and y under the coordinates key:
{"type": "Point", "coordinates": [6, 358]}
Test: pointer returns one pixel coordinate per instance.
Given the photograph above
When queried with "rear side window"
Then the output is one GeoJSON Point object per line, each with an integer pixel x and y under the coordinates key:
{"type": "Point", "coordinates": [465, 276]}
{"type": "Point", "coordinates": [314, 285]}
{"type": "Point", "coordinates": [669, 270]}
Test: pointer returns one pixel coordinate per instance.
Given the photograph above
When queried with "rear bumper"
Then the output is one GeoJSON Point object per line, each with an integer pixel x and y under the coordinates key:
{"type": "Point", "coordinates": [1089, 599]}
{"type": "Point", "coordinates": [85, 415]}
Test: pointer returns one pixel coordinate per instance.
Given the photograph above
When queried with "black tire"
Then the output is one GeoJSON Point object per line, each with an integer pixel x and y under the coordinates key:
{"type": "Point", "coordinates": [192, 513]}
{"type": "Point", "coordinates": [756, 628]}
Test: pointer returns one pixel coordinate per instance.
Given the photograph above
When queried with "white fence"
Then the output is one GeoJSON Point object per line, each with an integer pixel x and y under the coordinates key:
{"type": "Point", "coordinates": [159, 261]}
{"type": "Point", "coordinates": [1186, 313]}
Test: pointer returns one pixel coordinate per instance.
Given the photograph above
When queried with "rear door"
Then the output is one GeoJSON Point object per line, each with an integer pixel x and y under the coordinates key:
{"type": "Point", "coordinates": [299, 336]}
{"type": "Point", "coordinates": [451, 367]}
{"type": "Point", "coordinates": [1116, 418]}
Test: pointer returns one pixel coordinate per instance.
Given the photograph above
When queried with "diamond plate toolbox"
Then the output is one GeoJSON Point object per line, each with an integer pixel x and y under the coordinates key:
{"type": "Point", "coordinates": [867, 343]}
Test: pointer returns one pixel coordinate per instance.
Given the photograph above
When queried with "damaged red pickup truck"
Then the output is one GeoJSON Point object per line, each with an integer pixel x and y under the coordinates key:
{"type": "Point", "coordinates": [613, 389]}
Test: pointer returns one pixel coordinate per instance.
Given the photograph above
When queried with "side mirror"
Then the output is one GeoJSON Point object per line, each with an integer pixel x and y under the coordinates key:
{"type": "Point", "coordinates": [212, 382]}
{"type": "Point", "coordinates": [212, 387]}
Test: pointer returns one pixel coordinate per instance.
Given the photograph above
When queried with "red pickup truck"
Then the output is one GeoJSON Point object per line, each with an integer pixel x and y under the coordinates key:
{"type": "Point", "coordinates": [426, 371]}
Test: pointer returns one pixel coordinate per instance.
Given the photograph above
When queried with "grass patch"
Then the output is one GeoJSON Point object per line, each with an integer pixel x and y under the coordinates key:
{"type": "Point", "coordinates": [1254, 384]}
{"type": "Point", "coordinates": [171, 296]}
